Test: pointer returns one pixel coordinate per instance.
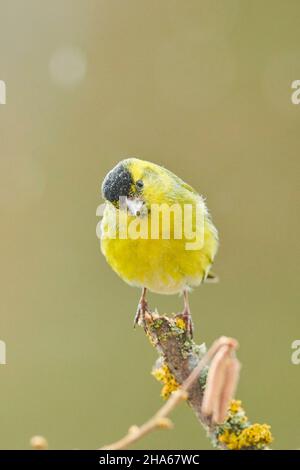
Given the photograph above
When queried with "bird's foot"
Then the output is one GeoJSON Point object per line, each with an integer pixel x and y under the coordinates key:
{"type": "Point", "coordinates": [142, 308]}
{"type": "Point", "coordinates": [187, 317]}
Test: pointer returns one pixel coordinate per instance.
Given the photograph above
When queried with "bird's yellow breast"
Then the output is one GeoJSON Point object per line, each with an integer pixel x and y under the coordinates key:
{"type": "Point", "coordinates": [161, 265]}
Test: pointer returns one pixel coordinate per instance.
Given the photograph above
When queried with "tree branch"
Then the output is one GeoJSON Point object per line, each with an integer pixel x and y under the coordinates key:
{"type": "Point", "coordinates": [183, 367]}
{"type": "Point", "coordinates": [160, 419]}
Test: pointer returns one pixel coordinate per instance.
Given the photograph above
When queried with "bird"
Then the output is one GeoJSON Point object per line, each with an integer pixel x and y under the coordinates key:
{"type": "Point", "coordinates": [134, 191]}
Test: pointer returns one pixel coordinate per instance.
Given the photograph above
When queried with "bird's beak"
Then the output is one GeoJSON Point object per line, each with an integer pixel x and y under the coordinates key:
{"type": "Point", "coordinates": [135, 206]}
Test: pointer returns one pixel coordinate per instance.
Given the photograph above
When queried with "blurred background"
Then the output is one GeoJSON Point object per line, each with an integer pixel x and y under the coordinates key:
{"type": "Point", "coordinates": [202, 87]}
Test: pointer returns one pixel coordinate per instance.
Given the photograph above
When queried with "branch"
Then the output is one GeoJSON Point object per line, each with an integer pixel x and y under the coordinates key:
{"type": "Point", "coordinates": [38, 443]}
{"type": "Point", "coordinates": [205, 379]}
{"type": "Point", "coordinates": [160, 419]}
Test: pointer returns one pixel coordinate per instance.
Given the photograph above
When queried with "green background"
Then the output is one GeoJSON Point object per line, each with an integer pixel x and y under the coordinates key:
{"type": "Point", "coordinates": [203, 88]}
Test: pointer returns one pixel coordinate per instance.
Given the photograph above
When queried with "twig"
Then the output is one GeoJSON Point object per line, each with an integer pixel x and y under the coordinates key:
{"type": "Point", "coordinates": [39, 443]}
{"type": "Point", "coordinates": [160, 420]}
{"type": "Point", "coordinates": [183, 368]}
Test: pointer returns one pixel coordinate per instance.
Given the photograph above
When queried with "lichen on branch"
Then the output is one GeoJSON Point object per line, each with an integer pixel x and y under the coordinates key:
{"type": "Point", "coordinates": [178, 356]}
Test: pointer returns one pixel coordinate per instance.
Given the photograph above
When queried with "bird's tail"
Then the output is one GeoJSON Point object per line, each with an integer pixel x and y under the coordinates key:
{"type": "Point", "coordinates": [211, 278]}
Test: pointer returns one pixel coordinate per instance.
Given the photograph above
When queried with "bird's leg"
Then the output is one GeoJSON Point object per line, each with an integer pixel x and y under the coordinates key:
{"type": "Point", "coordinates": [186, 314]}
{"type": "Point", "coordinates": [141, 309]}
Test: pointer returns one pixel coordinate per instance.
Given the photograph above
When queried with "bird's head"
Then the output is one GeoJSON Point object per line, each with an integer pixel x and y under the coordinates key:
{"type": "Point", "coordinates": [139, 183]}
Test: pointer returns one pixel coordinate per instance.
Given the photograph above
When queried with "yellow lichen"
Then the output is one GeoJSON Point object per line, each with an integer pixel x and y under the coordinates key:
{"type": "Point", "coordinates": [255, 436]}
{"type": "Point", "coordinates": [235, 406]}
{"type": "Point", "coordinates": [151, 339]}
{"type": "Point", "coordinates": [229, 439]}
{"type": "Point", "coordinates": [163, 374]}
{"type": "Point", "coordinates": [180, 323]}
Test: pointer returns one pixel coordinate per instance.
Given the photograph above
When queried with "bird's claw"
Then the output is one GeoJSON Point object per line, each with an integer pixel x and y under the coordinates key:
{"type": "Point", "coordinates": [187, 317]}
{"type": "Point", "coordinates": [142, 308]}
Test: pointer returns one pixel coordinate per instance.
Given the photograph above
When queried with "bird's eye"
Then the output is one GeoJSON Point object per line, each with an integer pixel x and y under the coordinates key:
{"type": "Point", "coordinates": [139, 184]}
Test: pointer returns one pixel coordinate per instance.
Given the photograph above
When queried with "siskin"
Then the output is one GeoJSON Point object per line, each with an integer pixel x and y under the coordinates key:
{"type": "Point", "coordinates": [163, 263]}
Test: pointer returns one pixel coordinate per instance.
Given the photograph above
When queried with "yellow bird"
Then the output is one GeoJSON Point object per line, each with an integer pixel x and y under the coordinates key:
{"type": "Point", "coordinates": [156, 232]}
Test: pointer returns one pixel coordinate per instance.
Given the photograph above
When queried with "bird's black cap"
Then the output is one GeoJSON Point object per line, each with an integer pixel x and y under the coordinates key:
{"type": "Point", "coordinates": [117, 183]}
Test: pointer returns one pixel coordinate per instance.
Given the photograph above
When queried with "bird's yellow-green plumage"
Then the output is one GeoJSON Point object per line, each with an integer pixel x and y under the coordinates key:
{"type": "Point", "coordinates": [161, 265]}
